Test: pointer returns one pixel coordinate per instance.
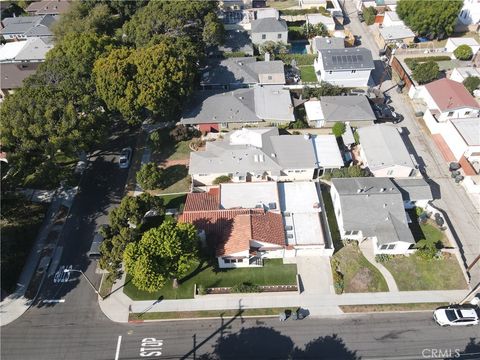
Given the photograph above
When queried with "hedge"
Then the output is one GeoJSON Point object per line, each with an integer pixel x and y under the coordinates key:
{"type": "Point", "coordinates": [301, 59]}
{"type": "Point", "coordinates": [319, 10]}
{"type": "Point", "coordinates": [413, 62]}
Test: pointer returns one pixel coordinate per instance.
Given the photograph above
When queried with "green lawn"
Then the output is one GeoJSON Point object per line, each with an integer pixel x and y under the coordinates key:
{"type": "Point", "coordinates": [174, 201]}
{"type": "Point", "coordinates": [206, 313]}
{"type": "Point", "coordinates": [307, 73]}
{"type": "Point", "coordinates": [414, 273]}
{"type": "Point", "coordinates": [168, 149]}
{"type": "Point", "coordinates": [274, 272]}
{"type": "Point", "coordinates": [282, 4]}
{"type": "Point", "coordinates": [332, 220]}
{"type": "Point", "coordinates": [358, 274]}
{"type": "Point", "coordinates": [19, 225]}
{"type": "Point", "coordinates": [428, 231]}
{"type": "Point", "coordinates": [182, 151]}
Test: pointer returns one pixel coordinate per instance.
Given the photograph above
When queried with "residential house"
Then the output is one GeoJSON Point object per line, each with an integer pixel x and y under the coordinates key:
{"type": "Point", "coordinates": [415, 192]}
{"type": "Point", "coordinates": [332, 6]}
{"type": "Point", "coordinates": [379, 5]}
{"type": "Point", "coordinates": [24, 27]}
{"type": "Point", "coordinates": [13, 74]}
{"type": "Point", "coordinates": [395, 34]}
{"type": "Point", "coordinates": [469, 16]}
{"type": "Point", "coordinates": [48, 7]}
{"type": "Point", "coordinates": [327, 153]}
{"type": "Point", "coordinates": [461, 73]}
{"type": "Point", "coordinates": [384, 153]}
{"type": "Point", "coordinates": [239, 72]}
{"type": "Point", "coordinates": [315, 19]}
{"type": "Point", "coordinates": [237, 41]}
{"type": "Point", "coordinates": [30, 50]}
{"type": "Point", "coordinates": [323, 43]}
{"type": "Point", "coordinates": [252, 155]}
{"type": "Point", "coordinates": [453, 43]}
{"type": "Point", "coordinates": [246, 223]}
{"type": "Point", "coordinates": [391, 18]}
{"type": "Point", "coordinates": [374, 208]}
{"type": "Point", "coordinates": [212, 111]}
{"type": "Point", "coordinates": [265, 13]}
{"type": "Point", "coordinates": [328, 110]}
{"type": "Point", "coordinates": [349, 67]}
{"type": "Point", "coordinates": [447, 99]}
{"type": "Point", "coordinates": [269, 29]}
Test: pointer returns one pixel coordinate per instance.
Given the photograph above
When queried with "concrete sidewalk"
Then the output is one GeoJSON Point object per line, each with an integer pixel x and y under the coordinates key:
{"type": "Point", "coordinates": [117, 306]}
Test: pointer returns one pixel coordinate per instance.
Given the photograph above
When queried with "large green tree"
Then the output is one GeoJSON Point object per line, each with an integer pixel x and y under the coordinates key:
{"type": "Point", "coordinates": [430, 17]}
{"type": "Point", "coordinates": [153, 80]}
{"type": "Point", "coordinates": [426, 72]}
{"type": "Point", "coordinates": [126, 224]}
{"type": "Point", "coordinates": [174, 18]}
{"type": "Point", "coordinates": [472, 83]}
{"type": "Point", "coordinates": [213, 30]}
{"type": "Point", "coordinates": [163, 253]}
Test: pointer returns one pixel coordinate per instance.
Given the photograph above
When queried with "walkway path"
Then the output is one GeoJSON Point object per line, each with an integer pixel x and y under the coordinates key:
{"type": "Point", "coordinates": [367, 250]}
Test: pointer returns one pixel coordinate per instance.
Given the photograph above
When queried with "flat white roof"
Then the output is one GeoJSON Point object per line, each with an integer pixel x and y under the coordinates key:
{"type": "Point", "coordinates": [314, 110]}
{"type": "Point", "coordinates": [463, 41]}
{"type": "Point", "coordinates": [298, 197]}
{"type": "Point", "coordinates": [327, 152]}
{"type": "Point", "coordinates": [469, 129]}
{"type": "Point", "coordinates": [315, 19]}
{"type": "Point", "coordinates": [10, 50]}
{"type": "Point", "coordinates": [306, 230]}
{"type": "Point", "coordinates": [248, 195]}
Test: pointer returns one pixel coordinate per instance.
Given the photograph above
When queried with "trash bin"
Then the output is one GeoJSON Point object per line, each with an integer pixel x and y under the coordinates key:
{"type": "Point", "coordinates": [454, 166]}
{"type": "Point", "coordinates": [282, 316]}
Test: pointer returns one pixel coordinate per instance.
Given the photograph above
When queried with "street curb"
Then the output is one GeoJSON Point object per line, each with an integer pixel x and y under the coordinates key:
{"type": "Point", "coordinates": [200, 318]}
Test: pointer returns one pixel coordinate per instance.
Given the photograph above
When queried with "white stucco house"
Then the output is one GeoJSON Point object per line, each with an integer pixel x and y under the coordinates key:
{"type": "Point", "coordinates": [248, 222]}
{"type": "Point", "coordinates": [254, 155]}
{"type": "Point", "coordinates": [470, 14]}
{"type": "Point", "coordinates": [374, 208]}
{"type": "Point", "coordinates": [269, 29]}
{"type": "Point", "coordinates": [349, 67]}
{"type": "Point", "coordinates": [461, 73]}
{"type": "Point", "coordinates": [463, 138]}
{"type": "Point", "coordinates": [446, 99]}
{"type": "Point", "coordinates": [384, 153]}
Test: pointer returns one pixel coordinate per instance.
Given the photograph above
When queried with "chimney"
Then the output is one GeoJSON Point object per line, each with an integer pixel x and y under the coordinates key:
{"type": "Point", "coordinates": [267, 56]}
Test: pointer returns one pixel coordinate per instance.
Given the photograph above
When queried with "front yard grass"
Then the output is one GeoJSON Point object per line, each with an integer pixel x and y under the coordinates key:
{"type": "Point", "coordinates": [332, 220]}
{"type": "Point", "coordinates": [20, 222]}
{"type": "Point", "coordinates": [174, 201]}
{"type": "Point", "coordinates": [359, 275]}
{"type": "Point", "coordinates": [415, 273]}
{"type": "Point", "coordinates": [307, 73]}
{"type": "Point", "coordinates": [274, 272]}
{"type": "Point", "coordinates": [206, 313]}
{"type": "Point", "coordinates": [428, 231]}
{"type": "Point", "coordinates": [391, 307]}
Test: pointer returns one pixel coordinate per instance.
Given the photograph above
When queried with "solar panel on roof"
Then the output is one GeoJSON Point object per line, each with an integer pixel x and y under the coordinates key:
{"type": "Point", "coordinates": [360, 58]}
{"type": "Point", "coordinates": [334, 59]}
{"type": "Point", "coordinates": [344, 59]}
{"type": "Point", "coordinates": [350, 59]}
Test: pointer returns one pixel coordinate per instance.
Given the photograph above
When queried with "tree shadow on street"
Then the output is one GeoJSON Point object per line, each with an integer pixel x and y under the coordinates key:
{"type": "Point", "coordinates": [471, 351]}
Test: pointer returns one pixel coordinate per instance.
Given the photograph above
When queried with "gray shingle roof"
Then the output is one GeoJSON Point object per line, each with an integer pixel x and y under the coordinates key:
{"type": "Point", "coordinates": [413, 189]}
{"type": "Point", "coordinates": [277, 152]}
{"type": "Point", "coordinates": [346, 108]}
{"type": "Point", "coordinates": [269, 25]}
{"type": "Point", "coordinates": [347, 59]}
{"type": "Point", "coordinates": [28, 25]}
{"type": "Point", "coordinates": [321, 43]}
{"type": "Point", "coordinates": [242, 105]}
{"type": "Point", "coordinates": [374, 206]}
{"type": "Point", "coordinates": [242, 70]}
{"type": "Point", "coordinates": [383, 147]}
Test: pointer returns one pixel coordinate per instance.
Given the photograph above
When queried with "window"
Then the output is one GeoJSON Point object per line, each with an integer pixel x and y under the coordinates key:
{"type": "Point", "coordinates": [354, 71]}
{"type": "Point", "coordinates": [264, 36]}
{"type": "Point", "coordinates": [389, 172]}
{"type": "Point", "coordinates": [224, 125]}
{"type": "Point", "coordinates": [330, 72]}
{"type": "Point", "coordinates": [383, 247]}
{"type": "Point", "coordinates": [391, 247]}
{"type": "Point", "coordinates": [450, 113]}
{"type": "Point", "coordinates": [279, 36]}
{"type": "Point", "coordinates": [269, 77]}
{"type": "Point", "coordinates": [355, 232]}
{"type": "Point", "coordinates": [239, 260]}
{"type": "Point", "coordinates": [289, 236]}
{"type": "Point", "coordinates": [348, 232]}
{"type": "Point", "coordinates": [467, 112]}
{"type": "Point", "coordinates": [226, 261]}
{"type": "Point", "coordinates": [202, 174]}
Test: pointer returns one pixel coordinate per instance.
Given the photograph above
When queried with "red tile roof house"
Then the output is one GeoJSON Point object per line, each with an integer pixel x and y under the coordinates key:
{"type": "Point", "coordinates": [447, 99]}
{"type": "Point", "coordinates": [246, 222]}
{"type": "Point", "coordinates": [237, 235]}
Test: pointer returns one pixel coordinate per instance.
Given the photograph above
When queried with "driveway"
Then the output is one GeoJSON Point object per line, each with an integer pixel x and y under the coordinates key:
{"type": "Point", "coordinates": [315, 275]}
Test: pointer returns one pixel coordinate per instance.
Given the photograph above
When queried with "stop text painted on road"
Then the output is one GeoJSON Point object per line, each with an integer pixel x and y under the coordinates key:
{"type": "Point", "coordinates": [151, 347]}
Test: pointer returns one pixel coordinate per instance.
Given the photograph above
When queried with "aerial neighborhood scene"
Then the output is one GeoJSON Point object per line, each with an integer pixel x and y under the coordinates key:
{"type": "Point", "coordinates": [240, 179]}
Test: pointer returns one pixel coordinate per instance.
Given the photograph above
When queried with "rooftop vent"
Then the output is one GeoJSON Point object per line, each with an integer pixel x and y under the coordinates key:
{"type": "Point", "coordinates": [259, 206]}
{"type": "Point", "coordinates": [286, 214]}
{"type": "Point", "coordinates": [359, 191]}
{"type": "Point", "coordinates": [382, 190]}
{"type": "Point", "coordinates": [288, 227]}
{"type": "Point", "coordinates": [384, 205]}
{"type": "Point", "coordinates": [273, 155]}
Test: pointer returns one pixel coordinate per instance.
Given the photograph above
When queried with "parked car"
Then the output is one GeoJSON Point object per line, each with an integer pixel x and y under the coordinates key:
{"type": "Point", "coordinates": [360, 16]}
{"type": "Point", "coordinates": [455, 316]}
{"type": "Point", "coordinates": [94, 252]}
{"type": "Point", "coordinates": [125, 158]}
{"type": "Point", "coordinates": [386, 113]}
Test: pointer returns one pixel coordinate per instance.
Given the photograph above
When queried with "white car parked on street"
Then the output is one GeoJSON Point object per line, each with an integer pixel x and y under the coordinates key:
{"type": "Point", "coordinates": [455, 316]}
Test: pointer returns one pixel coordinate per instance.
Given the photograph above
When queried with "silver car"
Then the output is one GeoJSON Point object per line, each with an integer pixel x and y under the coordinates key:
{"type": "Point", "coordinates": [125, 158]}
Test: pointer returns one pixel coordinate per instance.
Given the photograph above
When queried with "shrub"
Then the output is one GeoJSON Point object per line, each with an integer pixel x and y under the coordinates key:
{"type": "Point", "coordinates": [183, 133]}
{"type": "Point", "coordinates": [325, 89]}
{"type": "Point", "coordinates": [201, 290]}
{"type": "Point", "coordinates": [413, 62]}
{"type": "Point", "coordinates": [149, 176]}
{"type": "Point", "coordinates": [222, 179]}
{"type": "Point", "coordinates": [419, 211]}
{"type": "Point", "coordinates": [299, 124]}
{"type": "Point", "coordinates": [369, 15]}
{"type": "Point", "coordinates": [471, 83]}
{"type": "Point", "coordinates": [311, 31]}
{"type": "Point", "coordinates": [463, 52]}
{"type": "Point", "coordinates": [338, 279]}
{"type": "Point", "coordinates": [348, 172]}
{"type": "Point", "coordinates": [381, 258]}
{"type": "Point", "coordinates": [300, 59]}
{"type": "Point", "coordinates": [356, 137]}
{"type": "Point", "coordinates": [312, 10]}
{"type": "Point", "coordinates": [428, 249]}
{"type": "Point", "coordinates": [156, 138]}
{"type": "Point", "coordinates": [338, 129]}
{"type": "Point", "coordinates": [234, 54]}
{"type": "Point", "coordinates": [274, 48]}
{"type": "Point", "coordinates": [245, 287]}
{"type": "Point", "coordinates": [426, 72]}
{"type": "Point", "coordinates": [296, 33]}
